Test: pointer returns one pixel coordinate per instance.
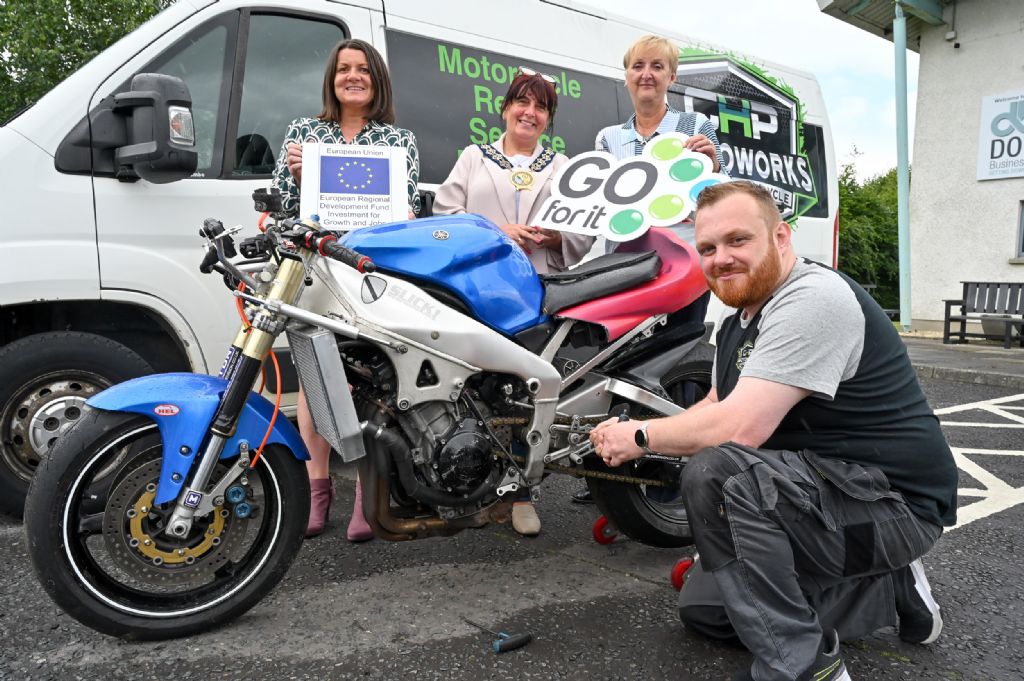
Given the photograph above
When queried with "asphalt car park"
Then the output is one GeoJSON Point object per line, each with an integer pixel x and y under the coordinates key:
{"type": "Point", "coordinates": [396, 610]}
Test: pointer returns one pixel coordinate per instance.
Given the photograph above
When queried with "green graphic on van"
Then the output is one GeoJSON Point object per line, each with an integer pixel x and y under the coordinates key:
{"type": "Point", "coordinates": [450, 95]}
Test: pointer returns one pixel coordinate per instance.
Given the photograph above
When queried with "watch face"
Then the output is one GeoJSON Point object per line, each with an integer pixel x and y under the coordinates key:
{"type": "Point", "coordinates": [640, 437]}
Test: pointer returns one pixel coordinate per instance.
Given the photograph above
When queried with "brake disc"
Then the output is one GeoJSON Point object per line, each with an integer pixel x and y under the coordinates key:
{"type": "Point", "coordinates": [132, 529]}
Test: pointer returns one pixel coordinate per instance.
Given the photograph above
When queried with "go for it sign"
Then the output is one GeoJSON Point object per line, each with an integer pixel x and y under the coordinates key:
{"type": "Point", "coordinates": [597, 195]}
{"type": "Point", "coordinates": [1001, 138]}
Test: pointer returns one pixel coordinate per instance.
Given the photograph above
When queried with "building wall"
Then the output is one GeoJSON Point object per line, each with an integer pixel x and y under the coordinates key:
{"type": "Point", "coordinates": [963, 229]}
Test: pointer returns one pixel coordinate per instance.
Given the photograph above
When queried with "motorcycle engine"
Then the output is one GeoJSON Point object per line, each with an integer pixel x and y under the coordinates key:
{"type": "Point", "coordinates": [464, 459]}
{"type": "Point", "coordinates": [453, 449]}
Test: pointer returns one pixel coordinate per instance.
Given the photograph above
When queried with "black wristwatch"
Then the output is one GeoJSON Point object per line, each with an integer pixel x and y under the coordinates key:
{"type": "Point", "coordinates": [640, 437]}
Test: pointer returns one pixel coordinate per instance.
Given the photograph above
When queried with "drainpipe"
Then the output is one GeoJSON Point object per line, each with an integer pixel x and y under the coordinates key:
{"type": "Point", "coordinates": [899, 36]}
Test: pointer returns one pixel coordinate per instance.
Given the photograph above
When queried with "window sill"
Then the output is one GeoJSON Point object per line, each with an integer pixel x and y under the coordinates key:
{"type": "Point", "coordinates": [1016, 261]}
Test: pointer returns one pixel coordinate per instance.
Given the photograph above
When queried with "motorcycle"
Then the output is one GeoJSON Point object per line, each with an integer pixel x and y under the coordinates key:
{"type": "Point", "coordinates": [430, 352]}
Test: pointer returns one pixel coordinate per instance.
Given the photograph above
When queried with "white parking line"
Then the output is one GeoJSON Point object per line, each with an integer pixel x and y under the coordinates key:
{"type": "Point", "coordinates": [996, 496]}
{"type": "Point", "coordinates": [997, 407]}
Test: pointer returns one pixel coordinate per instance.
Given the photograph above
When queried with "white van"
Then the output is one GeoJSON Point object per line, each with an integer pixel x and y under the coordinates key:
{"type": "Point", "coordinates": [98, 273]}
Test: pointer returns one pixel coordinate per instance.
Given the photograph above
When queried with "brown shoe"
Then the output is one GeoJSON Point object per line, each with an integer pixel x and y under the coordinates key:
{"type": "Point", "coordinates": [321, 494]}
{"type": "Point", "coordinates": [524, 519]}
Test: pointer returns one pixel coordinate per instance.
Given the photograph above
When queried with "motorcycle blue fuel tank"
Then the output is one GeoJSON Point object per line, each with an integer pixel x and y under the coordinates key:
{"type": "Point", "coordinates": [465, 255]}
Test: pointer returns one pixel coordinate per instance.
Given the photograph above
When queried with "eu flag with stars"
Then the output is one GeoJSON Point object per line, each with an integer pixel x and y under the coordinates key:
{"type": "Point", "coordinates": [354, 175]}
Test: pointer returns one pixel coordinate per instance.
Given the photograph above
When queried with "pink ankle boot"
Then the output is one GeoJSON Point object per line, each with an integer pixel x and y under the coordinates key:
{"type": "Point", "coordinates": [321, 494]}
{"type": "Point", "coordinates": [358, 528]}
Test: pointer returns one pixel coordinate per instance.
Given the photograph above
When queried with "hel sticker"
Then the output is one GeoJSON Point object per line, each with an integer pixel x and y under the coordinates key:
{"type": "Point", "coordinates": [193, 499]}
{"type": "Point", "coordinates": [166, 410]}
{"type": "Point", "coordinates": [440, 235]}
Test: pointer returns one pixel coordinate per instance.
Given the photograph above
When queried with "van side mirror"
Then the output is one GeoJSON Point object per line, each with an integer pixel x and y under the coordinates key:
{"type": "Point", "coordinates": [160, 137]}
{"type": "Point", "coordinates": [145, 132]}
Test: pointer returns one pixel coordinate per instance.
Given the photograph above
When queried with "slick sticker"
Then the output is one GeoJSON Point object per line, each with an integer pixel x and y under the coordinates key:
{"type": "Point", "coordinates": [440, 235]}
{"type": "Point", "coordinates": [193, 499]}
{"type": "Point", "coordinates": [743, 354]}
{"type": "Point", "coordinates": [373, 288]}
{"type": "Point", "coordinates": [416, 302]}
{"type": "Point", "coordinates": [166, 410]}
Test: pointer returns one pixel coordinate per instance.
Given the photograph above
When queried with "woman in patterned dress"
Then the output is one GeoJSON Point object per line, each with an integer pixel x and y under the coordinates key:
{"type": "Point", "coordinates": [357, 109]}
{"type": "Point", "coordinates": [507, 182]}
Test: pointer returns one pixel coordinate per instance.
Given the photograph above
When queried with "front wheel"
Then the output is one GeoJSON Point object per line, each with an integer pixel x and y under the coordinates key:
{"type": "Point", "coordinates": [97, 545]}
{"type": "Point", "coordinates": [652, 515]}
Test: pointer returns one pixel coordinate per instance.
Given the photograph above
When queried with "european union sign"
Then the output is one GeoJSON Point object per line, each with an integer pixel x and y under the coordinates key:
{"type": "Point", "coordinates": [354, 175]}
{"type": "Point", "coordinates": [353, 186]}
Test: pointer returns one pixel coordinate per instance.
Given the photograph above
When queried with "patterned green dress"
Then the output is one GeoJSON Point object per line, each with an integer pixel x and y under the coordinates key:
{"type": "Point", "coordinates": [373, 134]}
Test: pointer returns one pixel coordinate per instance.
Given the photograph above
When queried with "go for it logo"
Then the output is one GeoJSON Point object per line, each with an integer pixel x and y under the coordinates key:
{"type": "Point", "coordinates": [596, 194]}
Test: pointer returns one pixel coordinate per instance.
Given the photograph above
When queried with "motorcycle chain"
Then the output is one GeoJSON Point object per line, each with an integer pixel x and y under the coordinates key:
{"type": "Point", "coordinates": [568, 470]}
{"type": "Point", "coordinates": [601, 475]}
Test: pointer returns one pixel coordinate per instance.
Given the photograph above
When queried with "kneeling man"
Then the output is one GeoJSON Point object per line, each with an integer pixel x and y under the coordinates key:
{"type": "Point", "coordinates": [819, 474]}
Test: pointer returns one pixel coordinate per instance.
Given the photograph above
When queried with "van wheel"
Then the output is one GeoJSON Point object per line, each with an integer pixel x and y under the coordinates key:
{"type": "Point", "coordinates": [44, 381]}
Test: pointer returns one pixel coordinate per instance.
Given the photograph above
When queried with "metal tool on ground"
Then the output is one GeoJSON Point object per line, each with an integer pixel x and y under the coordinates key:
{"type": "Point", "coordinates": [505, 642]}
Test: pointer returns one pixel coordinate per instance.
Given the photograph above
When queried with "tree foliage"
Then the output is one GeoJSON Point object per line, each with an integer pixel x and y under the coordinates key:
{"type": "Point", "coordinates": [44, 41]}
{"type": "Point", "coordinates": [868, 233]}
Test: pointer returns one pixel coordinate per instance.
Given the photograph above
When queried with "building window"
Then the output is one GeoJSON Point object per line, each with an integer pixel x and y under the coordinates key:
{"type": "Point", "coordinates": [1020, 231]}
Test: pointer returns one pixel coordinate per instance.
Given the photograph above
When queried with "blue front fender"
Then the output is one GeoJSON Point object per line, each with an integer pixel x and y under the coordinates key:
{"type": "Point", "coordinates": [183, 405]}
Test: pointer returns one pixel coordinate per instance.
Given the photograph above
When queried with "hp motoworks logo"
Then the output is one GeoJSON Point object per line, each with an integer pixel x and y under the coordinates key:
{"type": "Point", "coordinates": [760, 127]}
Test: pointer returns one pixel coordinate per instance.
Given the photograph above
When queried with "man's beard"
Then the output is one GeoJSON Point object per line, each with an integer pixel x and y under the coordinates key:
{"type": "Point", "coordinates": [757, 284]}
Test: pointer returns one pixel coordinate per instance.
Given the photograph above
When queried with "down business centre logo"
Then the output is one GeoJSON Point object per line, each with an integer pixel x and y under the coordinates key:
{"type": "Point", "coordinates": [759, 122]}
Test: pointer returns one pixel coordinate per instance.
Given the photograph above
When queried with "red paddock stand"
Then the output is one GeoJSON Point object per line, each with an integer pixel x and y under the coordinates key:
{"type": "Point", "coordinates": [682, 566]}
{"type": "Point", "coordinates": [604, 533]}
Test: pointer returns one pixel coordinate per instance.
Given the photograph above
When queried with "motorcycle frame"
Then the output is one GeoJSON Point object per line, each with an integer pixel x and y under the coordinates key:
{"type": "Point", "coordinates": [410, 327]}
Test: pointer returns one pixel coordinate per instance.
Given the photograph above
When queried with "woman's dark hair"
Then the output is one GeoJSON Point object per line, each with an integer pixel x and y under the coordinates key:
{"type": "Point", "coordinates": [382, 108]}
{"type": "Point", "coordinates": [542, 91]}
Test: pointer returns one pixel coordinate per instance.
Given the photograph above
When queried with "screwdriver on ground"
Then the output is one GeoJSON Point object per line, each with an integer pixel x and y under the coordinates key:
{"type": "Point", "coordinates": [505, 642]}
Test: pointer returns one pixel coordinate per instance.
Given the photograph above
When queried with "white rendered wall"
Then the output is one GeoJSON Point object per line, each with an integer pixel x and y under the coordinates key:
{"type": "Point", "coordinates": [963, 229]}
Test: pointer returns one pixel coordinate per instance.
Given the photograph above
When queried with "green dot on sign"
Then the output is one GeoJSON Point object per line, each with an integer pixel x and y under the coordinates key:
{"type": "Point", "coordinates": [685, 170]}
{"type": "Point", "coordinates": [626, 221]}
{"type": "Point", "coordinates": [667, 149]}
{"type": "Point", "coordinates": [665, 207]}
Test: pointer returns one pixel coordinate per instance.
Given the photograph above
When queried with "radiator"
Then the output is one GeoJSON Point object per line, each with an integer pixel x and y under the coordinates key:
{"type": "Point", "coordinates": [322, 373]}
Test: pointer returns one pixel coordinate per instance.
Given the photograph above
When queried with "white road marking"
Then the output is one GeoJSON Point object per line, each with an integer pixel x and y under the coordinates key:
{"type": "Point", "coordinates": [997, 407]}
{"type": "Point", "coordinates": [996, 495]}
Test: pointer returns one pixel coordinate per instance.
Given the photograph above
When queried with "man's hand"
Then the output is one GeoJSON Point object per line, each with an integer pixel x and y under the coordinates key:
{"type": "Point", "coordinates": [703, 145]}
{"type": "Point", "coordinates": [294, 161]}
{"type": "Point", "coordinates": [615, 441]}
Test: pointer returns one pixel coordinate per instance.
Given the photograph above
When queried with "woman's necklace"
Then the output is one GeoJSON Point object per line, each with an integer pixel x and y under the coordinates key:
{"type": "Point", "coordinates": [520, 178]}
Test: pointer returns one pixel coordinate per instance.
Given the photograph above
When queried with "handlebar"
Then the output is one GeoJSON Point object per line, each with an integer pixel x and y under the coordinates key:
{"type": "Point", "coordinates": [327, 245]}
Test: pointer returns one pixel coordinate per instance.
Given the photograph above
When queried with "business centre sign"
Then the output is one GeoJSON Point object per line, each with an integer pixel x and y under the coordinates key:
{"type": "Point", "coordinates": [1001, 137]}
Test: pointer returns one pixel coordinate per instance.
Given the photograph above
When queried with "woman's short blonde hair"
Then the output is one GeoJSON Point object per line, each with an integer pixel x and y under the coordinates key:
{"type": "Point", "coordinates": [668, 49]}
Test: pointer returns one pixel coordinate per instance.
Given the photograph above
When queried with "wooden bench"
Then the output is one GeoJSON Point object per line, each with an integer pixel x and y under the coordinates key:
{"type": "Point", "coordinates": [988, 300]}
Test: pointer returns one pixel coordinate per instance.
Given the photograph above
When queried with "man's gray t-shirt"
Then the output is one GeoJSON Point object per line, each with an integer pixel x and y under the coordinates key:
{"type": "Point", "coordinates": [798, 345]}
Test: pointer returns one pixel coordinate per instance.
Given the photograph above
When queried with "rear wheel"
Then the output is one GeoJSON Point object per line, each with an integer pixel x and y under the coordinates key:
{"type": "Point", "coordinates": [45, 380]}
{"type": "Point", "coordinates": [649, 514]}
{"type": "Point", "coordinates": [97, 540]}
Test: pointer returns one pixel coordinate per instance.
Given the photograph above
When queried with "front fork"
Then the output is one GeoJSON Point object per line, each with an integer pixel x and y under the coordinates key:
{"type": "Point", "coordinates": [241, 369]}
